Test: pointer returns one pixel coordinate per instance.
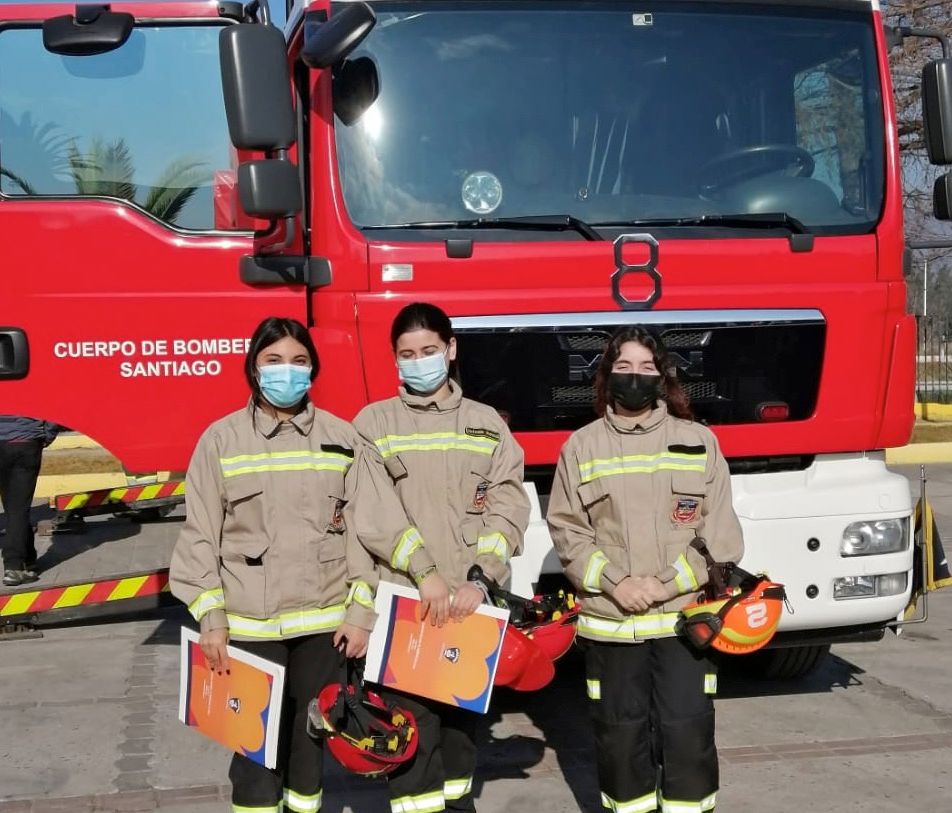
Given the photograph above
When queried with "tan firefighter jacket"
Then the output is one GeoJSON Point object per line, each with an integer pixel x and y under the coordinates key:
{"type": "Point", "coordinates": [628, 497]}
{"type": "Point", "coordinates": [457, 472]}
{"type": "Point", "coordinates": [265, 550]}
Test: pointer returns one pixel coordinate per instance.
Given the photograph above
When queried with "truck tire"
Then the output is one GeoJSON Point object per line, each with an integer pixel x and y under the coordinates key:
{"type": "Point", "coordinates": [144, 515]}
{"type": "Point", "coordinates": [789, 663]}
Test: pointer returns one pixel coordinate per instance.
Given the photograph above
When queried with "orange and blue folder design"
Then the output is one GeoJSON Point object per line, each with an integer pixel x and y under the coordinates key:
{"type": "Point", "coordinates": [240, 709]}
{"type": "Point", "coordinates": [454, 664]}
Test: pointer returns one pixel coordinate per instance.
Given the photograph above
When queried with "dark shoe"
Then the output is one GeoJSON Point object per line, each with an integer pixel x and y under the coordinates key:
{"type": "Point", "coordinates": [14, 578]}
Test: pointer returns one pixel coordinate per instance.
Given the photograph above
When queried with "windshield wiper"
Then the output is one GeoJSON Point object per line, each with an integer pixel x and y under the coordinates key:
{"type": "Point", "coordinates": [527, 222]}
{"type": "Point", "coordinates": [800, 237]}
{"type": "Point", "coordinates": [765, 220]}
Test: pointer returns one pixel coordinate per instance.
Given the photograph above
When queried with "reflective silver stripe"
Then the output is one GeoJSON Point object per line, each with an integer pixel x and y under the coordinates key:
{"type": "Point", "coordinates": [213, 599]}
{"type": "Point", "coordinates": [710, 683]}
{"type": "Point", "coordinates": [592, 580]}
{"type": "Point", "coordinates": [284, 461]}
{"type": "Point", "coordinates": [245, 809]}
{"type": "Point", "coordinates": [361, 594]}
{"type": "Point", "coordinates": [457, 788]}
{"type": "Point", "coordinates": [424, 803]}
{"type": "Point", "coordinates": [494, 544]}
{"type": "Point", "coordinates": [299, 803]}
{"type": "Point", "coordinates": [593, 688]}
{"type": "Point", "coordinates": [323, 619]}
{"type": "Point", "coordinates": [685, 579]}
{"type": "Point", "coordinates": [406, 545]}
{"type": "Point", "coordinates": [655, 625]}
{"type": "Point", "coordinates": [390, 445]}
{"type": "Point", "coordinates": [707, 803]}
{"type": "Point", "coordinates": [643, 804]}
{"type": "Point", "coordinates": [641, 464]}
{"type": "Point", "coordinates": [746, 316]}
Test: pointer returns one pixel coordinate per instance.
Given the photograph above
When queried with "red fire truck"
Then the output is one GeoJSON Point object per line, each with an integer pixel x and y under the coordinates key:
{"type": "Point", "coordinates": [724, 172]}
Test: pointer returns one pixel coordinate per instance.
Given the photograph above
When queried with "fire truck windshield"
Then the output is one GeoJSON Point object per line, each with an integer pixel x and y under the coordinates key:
{"type": "Point", "coordinates": [614, 112]}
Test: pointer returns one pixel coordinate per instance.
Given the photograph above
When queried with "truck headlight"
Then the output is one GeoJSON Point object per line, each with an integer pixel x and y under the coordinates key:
{"type": "Point", "coordinates": [871, 537]}
{"type": "Point", "coordinates": [889, 584]}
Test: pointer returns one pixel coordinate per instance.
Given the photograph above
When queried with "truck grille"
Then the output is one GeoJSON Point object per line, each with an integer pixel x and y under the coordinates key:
{"type": "Point", "coordinates": [540, 368]}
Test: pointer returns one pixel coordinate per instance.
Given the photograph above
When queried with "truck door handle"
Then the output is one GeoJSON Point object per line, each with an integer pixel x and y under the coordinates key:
{"type": "Point", "coordinates": [14, 353]}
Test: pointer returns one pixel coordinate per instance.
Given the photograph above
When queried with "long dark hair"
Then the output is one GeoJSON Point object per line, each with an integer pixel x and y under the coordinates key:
{"type": "Point", "coordinates": [272, 330]}
{"type": "Point", "coordinates": [423, 316]}
{"type": "Point", "coordinates": [671, 390]}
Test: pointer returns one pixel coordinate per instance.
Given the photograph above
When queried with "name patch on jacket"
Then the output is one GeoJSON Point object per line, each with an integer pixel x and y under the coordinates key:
{"type": "Point", "coordinates": [681, 448]}
{"type": "Point", "coordinates": [333, 448]}
{"type": "Point", "coordinates": [479, 432]}
{"type": "Point", "coordinates": [685, 510]}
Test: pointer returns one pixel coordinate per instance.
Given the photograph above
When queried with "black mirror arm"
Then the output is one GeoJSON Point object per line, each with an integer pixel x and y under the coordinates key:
{"type": "Point", "coordinates": [904, 31]}
{"type": "Point", "coordinates": [276, 238]}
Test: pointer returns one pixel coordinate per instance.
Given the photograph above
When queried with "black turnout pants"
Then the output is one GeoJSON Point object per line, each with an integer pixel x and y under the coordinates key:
{"type": "Point", "coordinates": [311, 662]}
{"type": "Point", "coordinates": [652, 709]}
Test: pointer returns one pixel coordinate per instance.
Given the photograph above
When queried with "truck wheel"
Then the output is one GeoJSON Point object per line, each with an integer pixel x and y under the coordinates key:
{"type": "Point", "coordinates": [790, 663]}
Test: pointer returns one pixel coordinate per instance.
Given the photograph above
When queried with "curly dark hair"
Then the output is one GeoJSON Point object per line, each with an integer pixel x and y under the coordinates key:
{"type": "Point", "coordinates": [671, 390]}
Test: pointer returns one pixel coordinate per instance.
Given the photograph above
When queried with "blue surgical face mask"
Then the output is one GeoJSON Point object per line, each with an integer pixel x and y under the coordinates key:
{"type": "Point", "coordinates": [284, 385]}
{"type": "Point", "coordinates": [424, 375]}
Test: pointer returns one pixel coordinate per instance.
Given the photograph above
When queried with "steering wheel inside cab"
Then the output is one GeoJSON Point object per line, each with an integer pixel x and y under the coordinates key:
{"type": "Point", "coordinates": [749, 162]}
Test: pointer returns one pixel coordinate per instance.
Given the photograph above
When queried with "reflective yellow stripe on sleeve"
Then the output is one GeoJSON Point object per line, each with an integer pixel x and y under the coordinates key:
{"type": "Point", "coordinates": [494, 544]}
{"type": "Point", "coordinates": [213, 599]}
{"type": "Point", "coordinates": [409, 541]}
{"type": "Point", "coordinates": [592, 580]}
{"type": "Point", "coordinates": [685, 578]}
{"type": "Point", "coordinates": [360, 593]}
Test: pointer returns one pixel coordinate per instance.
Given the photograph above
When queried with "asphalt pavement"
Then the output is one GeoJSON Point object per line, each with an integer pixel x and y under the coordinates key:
{"type": "Point", "coordinates": [90, 715]}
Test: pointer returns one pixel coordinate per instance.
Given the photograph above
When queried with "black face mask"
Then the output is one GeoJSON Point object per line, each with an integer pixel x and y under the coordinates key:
{"type": "Point", "coordinates": [634, 391]}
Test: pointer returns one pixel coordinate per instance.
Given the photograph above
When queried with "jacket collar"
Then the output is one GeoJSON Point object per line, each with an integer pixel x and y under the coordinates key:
{"type": "Point", "coordinates": [636, 426]}
{"type": "Point", "coordinates": [427, 403]}
{"type": "Point", "coordinates": [268, 426]}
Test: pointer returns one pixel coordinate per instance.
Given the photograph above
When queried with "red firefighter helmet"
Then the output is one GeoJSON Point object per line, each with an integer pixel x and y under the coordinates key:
{"type": "Point", "coordinates": [534, 639]}
{"type": "Point", "coordinates": [363, 733]}
{"type": "Point", "coordinates": [737, 623]}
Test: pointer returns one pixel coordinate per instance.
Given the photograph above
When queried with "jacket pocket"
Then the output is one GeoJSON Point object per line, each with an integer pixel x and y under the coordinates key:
{"type": "Point", "coordinates": [596, 500]}
{"type": "Point", "coordinates": [244, 577]}
{"type": "Point", "coordinates": [332, 548]}
{"type": "Point", "coordinates": [688, 489]}
{"type": "Point", "coordinates": [242, 488]}
{"type": "Point", "coordinates": [395, 467]}
{"type": "Point", "coordinates": [475, 488]}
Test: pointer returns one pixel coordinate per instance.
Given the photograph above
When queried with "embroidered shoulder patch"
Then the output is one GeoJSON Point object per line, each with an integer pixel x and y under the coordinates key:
{"type": "Point", "coordinates": [479, 432]}
{"type": "Point", "coordinates": [680, 448]}
{"type": "Point", "coordinates": [685, 510]}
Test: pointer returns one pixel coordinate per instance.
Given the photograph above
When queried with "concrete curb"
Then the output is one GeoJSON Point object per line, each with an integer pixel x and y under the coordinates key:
{"type": "Point", "coordinates": [920, 453]}
{"type": "Point", "coordinates": [72, 440]}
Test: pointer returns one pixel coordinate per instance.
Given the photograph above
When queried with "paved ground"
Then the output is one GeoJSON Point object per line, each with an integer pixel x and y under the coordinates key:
{"type": "Point", "coordinates": [89, 717]}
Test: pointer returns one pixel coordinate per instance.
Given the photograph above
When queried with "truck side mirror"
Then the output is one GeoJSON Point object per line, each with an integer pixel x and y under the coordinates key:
{"type": "Point", "coordinates": [937, 110]}
{"type": "Point", "coordinates": [257, 88]}
{"type": "Point", "coordinates": [356, 86]}
{"type": "Point", "coordinates": [942, 197]}
{"type": "Point", "coordinates": [327, 42]}
{"type": "Point", "coordinates": [94, 30]}
{"type": "Point", "coordinates": [269, 189]}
